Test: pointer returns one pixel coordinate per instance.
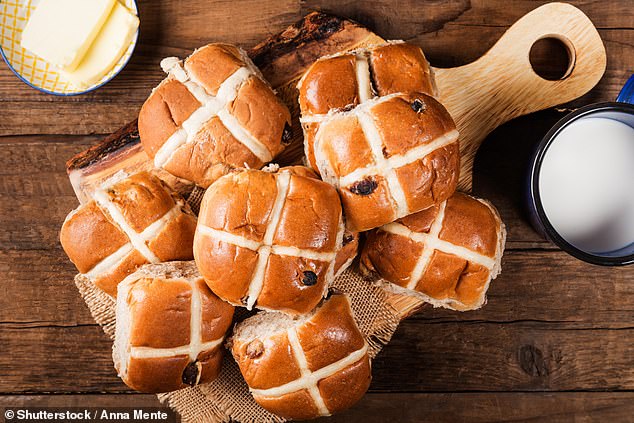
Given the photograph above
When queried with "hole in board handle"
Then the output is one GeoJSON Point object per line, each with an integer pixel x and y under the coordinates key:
{"type": "Point", "coordinates": [552, 57]}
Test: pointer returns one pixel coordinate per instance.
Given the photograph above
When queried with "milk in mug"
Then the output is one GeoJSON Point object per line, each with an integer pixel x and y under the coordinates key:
{"type": "Point", "coordinates": [586, 184]}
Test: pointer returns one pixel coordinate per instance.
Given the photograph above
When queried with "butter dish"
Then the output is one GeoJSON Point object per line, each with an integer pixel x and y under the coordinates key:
{"type": "Point", "coordinates": [71, 68]}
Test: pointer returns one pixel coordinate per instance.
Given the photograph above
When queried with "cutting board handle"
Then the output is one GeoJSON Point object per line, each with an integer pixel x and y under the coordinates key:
{"type": "Point", "coordinates": [502, 84]}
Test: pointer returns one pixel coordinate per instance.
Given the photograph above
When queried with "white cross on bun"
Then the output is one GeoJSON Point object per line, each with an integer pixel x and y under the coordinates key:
{"type": "Point", "coordinates": [131, 221]}
{"type": "Point", "coordinates": [346, 80]}
{"type": "Point", "coordinates": [315, 365]}
{"type": "Point", "coordinates": [373, 131]}
{"type": "Point", "coordinates": [446, 254]}
{"type": "Point", "coordinates": [170, 328]}
{"type": "Point", "coordinates": [212, 113]}
{"type": "Point", "coordinates": [271, 240]}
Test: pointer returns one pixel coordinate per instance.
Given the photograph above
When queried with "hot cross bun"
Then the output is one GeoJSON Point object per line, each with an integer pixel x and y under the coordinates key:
{"type": "Point", "coordinates": [372, 130]}
{"type": "Point", "coordinates": [170, 328]}
{"type": "Point", "coordinates": [446, 254]}
{"type": "Point", "coordinates": [270, 239]}
{"type": "Point", "coordinates": [131, 221]}
{"type": "Point", "coordinates": [316, 365]}
{"type": "Point", "coordinates": [214, 112]}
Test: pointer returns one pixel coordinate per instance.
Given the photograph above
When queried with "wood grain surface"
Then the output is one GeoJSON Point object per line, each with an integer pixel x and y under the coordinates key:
{"type": "Point", "coordinates": [554, 343]}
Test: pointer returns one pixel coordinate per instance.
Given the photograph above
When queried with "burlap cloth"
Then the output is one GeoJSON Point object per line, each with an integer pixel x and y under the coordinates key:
{"type": "Point", "coordinates": [227, 398]}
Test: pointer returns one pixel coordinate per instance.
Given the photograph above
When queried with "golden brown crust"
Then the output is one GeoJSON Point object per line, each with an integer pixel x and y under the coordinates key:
{"type": "Point", "coordinates": [156, 375]}
{"type": "Point", "coordinates": [331, 335]}
{"type": "Point", "coordinates": [213, 151]}
{"type": "Point", "coordinates": [217, 315]}
{"type": "Point", "coordinates": [212, 64]}
{"type": "Point", "coordinates": [450, 277]}
{"type": "Point", "coordinates": [266, 362]}
{"type": "Point", "coordinates": [328, 336]}
{"type": "Point", "coordinates": [402, 128]}
{"type": "Point", "coordinates": [310, 130]}
{"type": "Point", "coordinates": [163, 112]}
{"type": "Point", "coordinates": [108, 281]}
{"type": "Point", "coordinates": [287, 287]}
{"type": "Point", "coordinates": [227, 269]}
{"type": "Point", "coordinates": [301, 171]}
{"type": "Point", "coordinates": [432, 179]}
{"type": "Point", "coordinates": [141, 190]}
{"type": "Point", "coordinates": [393, 257]}
{"type": "Point", "coordinates": [261, 113]}
{"type": "Point", "coordinates": [86, 251]}
{"type": "Point", "coordinates": [240, 203]}
{"type": "Point", "coordinates": [311, 211]}
{"type": "Point", "coordinates": [329, 84]}
{"type": "Point", "coordinates": [297, 405]}
{"type": "Point", "coordinates": [91, 236]}
{"type": "Point", "coordinates": [332, 83]}
{"type": "Point", "coordinates": [211, 365]}
{"type": "Point", "coordinates": [161, 313]}
{"type": "Point", "coordinates": [176, 240]}
{"type": "Point", "coordinates": [156, 347]}
{"type": "Point", "coordinates": [366, 211]}
{"type": "Point", "coordinates": [345, 388]}
{"type": "Point", "coordinates": [409, 138]}
{"type": "Point", "coordinates": [346, 147]}
{"type": "Point", "coordinates": [239, 209]}
{"type": "Point", "coordinates": [470, 224]}
{"type": "Point", "coordinates": [400, 68]}
{"type": "Point", "coordinates": [457, 273]}
{"type": "Point", "coordinates": [349, 250]}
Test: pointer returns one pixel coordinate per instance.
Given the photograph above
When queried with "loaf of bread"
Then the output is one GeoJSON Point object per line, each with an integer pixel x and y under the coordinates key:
{"type": "Point", "coordinates": [316, 365]}
{"type": "Point", "coordinates": [446, 254]}
{"type": "Point", "coordinates": [348, 79]}
{"type": "Point", "coordinates": [131, 221]}
{"type": "Point", "coordinates": [270, 239]}
{"type": "Point", "coordinates": [170, 328]}
{"type": "Point", "coordinates": [212, 113]}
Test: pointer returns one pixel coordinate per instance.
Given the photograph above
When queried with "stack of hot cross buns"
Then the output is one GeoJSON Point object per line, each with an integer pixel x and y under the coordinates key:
{"type": "Point", "coordinates": [382, 163]}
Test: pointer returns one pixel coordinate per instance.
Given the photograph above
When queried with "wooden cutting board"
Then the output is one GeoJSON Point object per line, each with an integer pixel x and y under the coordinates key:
{"type": "Point", "coordinates": [480, 96]}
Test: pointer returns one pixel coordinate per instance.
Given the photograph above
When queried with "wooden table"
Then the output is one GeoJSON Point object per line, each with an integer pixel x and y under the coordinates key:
{"type": "Point", "coordinates": [554, 343]}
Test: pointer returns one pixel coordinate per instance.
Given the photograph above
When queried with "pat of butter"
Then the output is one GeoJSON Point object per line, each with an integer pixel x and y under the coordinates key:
{"type": "Point", "coordinates": [61, 31]}
{"type": "Point", "coordinates": [111, 42]}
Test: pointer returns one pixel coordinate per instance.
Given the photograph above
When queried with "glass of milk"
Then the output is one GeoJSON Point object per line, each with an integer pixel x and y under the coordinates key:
{"type": "Point", "coordinates": [581, 186]}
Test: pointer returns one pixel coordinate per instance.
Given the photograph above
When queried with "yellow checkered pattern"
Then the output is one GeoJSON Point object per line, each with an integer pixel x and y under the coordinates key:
{"type": "Point", "coordinates": [13, 17]}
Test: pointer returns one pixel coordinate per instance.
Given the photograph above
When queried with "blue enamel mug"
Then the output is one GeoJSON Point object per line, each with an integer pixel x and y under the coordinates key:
{"type": "Point", "coordinates": [581, 182]}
